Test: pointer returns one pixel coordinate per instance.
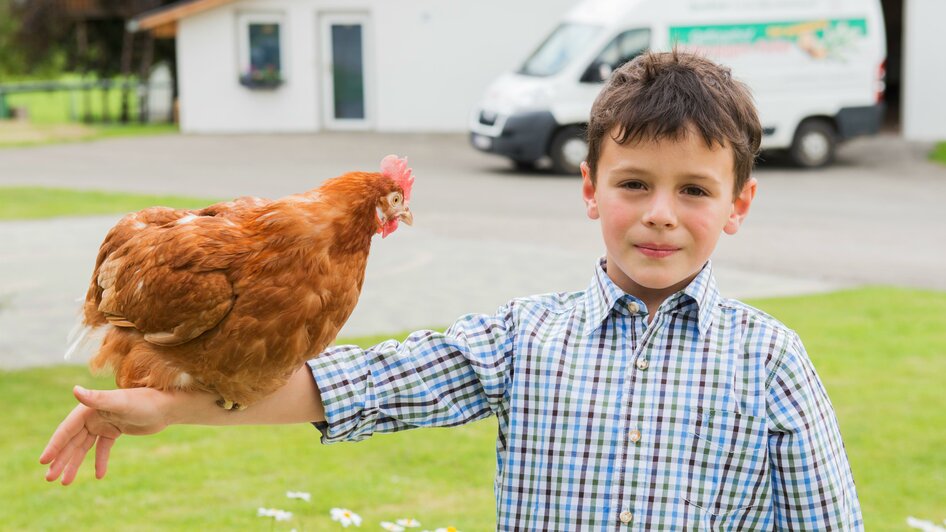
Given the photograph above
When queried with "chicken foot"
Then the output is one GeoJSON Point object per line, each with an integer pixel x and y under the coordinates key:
{"type": "Point", "coordinates": [227, 404]}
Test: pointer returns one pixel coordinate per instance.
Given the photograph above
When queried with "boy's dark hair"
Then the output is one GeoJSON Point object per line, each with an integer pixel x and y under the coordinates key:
{"type": "Point", "coordinates": [662, 95]}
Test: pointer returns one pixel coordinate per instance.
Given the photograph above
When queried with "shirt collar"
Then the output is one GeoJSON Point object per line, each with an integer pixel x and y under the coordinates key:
{"type": "Point", "coordinates": [701, 292]}
{"type": "Point", "coordinates": [603, 296]}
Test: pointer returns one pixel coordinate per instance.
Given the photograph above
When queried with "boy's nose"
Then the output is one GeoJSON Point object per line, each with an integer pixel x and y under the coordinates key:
{"type": "Point", "coordinates": [660, 212]}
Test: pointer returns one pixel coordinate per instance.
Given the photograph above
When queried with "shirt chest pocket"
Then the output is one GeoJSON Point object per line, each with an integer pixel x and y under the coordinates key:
{"type": "Point", "coordinates": [725, 462]}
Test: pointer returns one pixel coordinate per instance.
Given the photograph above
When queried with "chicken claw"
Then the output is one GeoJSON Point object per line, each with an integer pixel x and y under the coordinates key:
{"type": "Point", "coordinates": [227, 404]}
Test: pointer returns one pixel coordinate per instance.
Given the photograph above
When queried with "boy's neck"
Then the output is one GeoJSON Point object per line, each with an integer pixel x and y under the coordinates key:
{"type": "Point", "coordinates": [652, 297]}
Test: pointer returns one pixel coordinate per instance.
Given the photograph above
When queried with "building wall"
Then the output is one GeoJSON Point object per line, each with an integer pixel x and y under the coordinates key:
{"type": "Point", "coordinates": [210, 95]}
{"type": "Point", "coordinates": [430, 61]}
{"type": "Point", "coordinates": [924, 72]}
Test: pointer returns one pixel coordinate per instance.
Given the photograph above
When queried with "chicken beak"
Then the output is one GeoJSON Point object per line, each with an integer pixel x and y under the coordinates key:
{"type": "Point", "coordinates": [406, 216]}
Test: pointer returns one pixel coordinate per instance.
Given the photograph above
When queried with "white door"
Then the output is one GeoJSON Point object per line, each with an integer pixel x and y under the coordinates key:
{"type": "Point", "coordinates": [346, 67]}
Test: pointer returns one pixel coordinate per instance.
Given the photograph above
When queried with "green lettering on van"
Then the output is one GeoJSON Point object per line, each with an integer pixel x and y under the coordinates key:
{"type": "Point", "coordinates": [743, 34]}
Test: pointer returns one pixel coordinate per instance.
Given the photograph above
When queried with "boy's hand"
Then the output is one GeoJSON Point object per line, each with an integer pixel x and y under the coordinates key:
{"type": "Point", "coordinates": [102, 417]}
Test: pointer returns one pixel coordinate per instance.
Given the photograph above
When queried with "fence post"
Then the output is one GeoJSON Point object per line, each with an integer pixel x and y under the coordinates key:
{"type": "Point", "coordinates": [87, 101]}
{"type": "Point", "coordinates": [142, 92]}
{"type": "Point", "coordinates": [73, 114]}
{"type": "Point", "coordinates": [106, 85]}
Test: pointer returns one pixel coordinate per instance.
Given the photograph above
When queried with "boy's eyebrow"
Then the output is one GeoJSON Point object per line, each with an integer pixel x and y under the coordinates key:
{"type": "Point", "coordinates": [629, 170]}
{"type": "Point", "coordinates": [625, 171]}
{"type": "Point", "coordinates": [705, 177]}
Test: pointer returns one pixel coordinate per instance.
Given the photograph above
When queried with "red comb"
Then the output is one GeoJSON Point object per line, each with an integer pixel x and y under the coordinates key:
{"type": "Point", "coordinates": [396, 168]}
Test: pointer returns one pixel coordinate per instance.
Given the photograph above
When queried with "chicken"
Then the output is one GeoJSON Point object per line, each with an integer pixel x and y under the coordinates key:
{"type": "Point", "coordinates": [233, 298]}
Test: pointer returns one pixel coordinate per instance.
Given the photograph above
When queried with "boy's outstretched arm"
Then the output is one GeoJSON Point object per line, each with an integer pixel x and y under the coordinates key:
{"type": "Point", "coordinates": [104, 415]}
{"type": "Point", "coordinates": [812, 483]}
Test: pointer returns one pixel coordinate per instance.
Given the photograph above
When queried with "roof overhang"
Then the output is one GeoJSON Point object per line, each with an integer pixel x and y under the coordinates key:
{"type": "Point", "coordinates": [162, 22]}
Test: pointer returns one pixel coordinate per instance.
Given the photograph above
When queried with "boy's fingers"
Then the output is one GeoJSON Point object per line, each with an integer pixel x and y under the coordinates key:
{"type": "Point", "coordinates": [72, 425]}
{"type": "Point", "coordinates": [78, 456]}
{"type": "Point", "coordinates": [64, 456]}
{"type": "Point", "coordinates": [55, 468]}
{"type": "Point", "coordinates": [102, 449]}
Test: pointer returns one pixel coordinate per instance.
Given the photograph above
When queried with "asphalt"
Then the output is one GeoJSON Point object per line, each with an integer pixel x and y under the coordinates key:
{"type": "Point", "coordinates": [483, 233]}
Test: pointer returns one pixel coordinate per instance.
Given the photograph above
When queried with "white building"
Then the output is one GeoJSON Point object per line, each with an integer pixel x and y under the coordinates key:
{"type": "Point", "coordinates": [420, 65]}
{"type": "Point", "coordinates": [924, 70]}
{"type": "Point", "coordinates": [383, 65]}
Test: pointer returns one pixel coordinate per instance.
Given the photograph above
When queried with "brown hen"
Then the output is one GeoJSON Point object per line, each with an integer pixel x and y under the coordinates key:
{"type": "Point", "coordinates": [233, 298]}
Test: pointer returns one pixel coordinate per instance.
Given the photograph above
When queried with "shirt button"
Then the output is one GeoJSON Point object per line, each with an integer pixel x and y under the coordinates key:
{"type": "Point", "coordinates": [642, 364]}
{"type": "Point", "coordinates": [626, 517]}
{"type": "Point", "coordinates": [634, 436]}
{"type": "Point", "coordinates": [633, 307]}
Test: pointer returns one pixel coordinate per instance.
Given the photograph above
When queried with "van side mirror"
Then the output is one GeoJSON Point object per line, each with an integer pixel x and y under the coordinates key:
{"type": "Point", "coordinates": [597, 72]}
{"type": "Point", "coordinates": [604, 71]}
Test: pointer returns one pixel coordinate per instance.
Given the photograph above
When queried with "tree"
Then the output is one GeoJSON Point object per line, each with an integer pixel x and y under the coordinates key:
{"type": "Point", "coordinates": [90, 37]}
{"type": "Point", "coordinates": [14, 61]}
{"type": "Point", "coordinates": [90, 34]}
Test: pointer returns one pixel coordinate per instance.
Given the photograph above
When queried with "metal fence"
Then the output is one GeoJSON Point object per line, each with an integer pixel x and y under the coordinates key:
{"type": "Point", "coordinates": [93, 101]}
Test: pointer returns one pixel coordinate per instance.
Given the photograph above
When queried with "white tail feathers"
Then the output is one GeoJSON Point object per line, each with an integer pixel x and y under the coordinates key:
{"type": "Point", "coordinates": [84, 340]}
{"type": "Point", "coordinates": [75, 339]}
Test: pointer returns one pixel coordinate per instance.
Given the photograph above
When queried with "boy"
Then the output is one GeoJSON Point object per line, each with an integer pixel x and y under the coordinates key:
{"type": "Point", "coordinates": [645, 402]}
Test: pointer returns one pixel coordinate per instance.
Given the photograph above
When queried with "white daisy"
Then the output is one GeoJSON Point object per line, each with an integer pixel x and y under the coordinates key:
{"type": "Point", "coordinates": [279, 515]}
{"type": "Point", "coordinates": [345, 517]}
{"type": "Point", "coordinates": [391, 527]}
{"type": "Point", "coordinates": [408, 523]}
{"type": "Point", "coordinates": [307, 497]}
{"type": "Point", "coordinates": [926, 526]}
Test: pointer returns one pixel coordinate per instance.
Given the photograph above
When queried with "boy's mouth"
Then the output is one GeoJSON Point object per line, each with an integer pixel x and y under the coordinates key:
{"type": "Point", "coordinates": [656, 251]}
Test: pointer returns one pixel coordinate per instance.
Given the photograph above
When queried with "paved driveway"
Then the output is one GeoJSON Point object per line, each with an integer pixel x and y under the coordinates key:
{"type": "Point", "coordinates": [483, 233]}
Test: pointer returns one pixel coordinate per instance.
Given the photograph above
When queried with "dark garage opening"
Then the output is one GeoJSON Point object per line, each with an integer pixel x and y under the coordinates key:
{"type": "Point", "coordinates": [893, 22]}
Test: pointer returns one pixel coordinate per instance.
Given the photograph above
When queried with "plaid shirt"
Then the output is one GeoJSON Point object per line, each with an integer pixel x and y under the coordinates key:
{"type": "Point", "coordinates": [711, 417]}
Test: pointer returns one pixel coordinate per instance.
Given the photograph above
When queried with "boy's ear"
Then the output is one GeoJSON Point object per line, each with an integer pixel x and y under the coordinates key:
{"type": "Point", "coordinates": [588, 191]}
{"type": "Point", "coordinates": [740, 206]}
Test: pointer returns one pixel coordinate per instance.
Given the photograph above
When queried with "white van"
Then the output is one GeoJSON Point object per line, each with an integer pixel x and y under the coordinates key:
{"type": "Point", "coordinates": [815, 67]}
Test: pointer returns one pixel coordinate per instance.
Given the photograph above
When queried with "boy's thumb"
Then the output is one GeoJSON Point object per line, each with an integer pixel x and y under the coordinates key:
{"type": "Point", "coordinates": [90, 398]}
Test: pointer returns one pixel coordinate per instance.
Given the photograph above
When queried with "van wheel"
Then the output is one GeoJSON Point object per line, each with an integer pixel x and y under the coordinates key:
{"type": "Point", "coordinates": [814, 144]}
{"type": "Point", "coordinates": [568, 150]}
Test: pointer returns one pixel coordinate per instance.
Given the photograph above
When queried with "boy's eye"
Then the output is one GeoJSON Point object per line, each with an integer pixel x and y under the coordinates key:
{"type": "Point", "coordinates": [694, 191]}
{"type": "Point", "coordinates": [632, 185]}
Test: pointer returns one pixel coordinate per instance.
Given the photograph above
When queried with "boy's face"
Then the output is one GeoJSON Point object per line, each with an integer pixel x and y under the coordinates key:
{"type": "Point", "coordinates": [663, 205]}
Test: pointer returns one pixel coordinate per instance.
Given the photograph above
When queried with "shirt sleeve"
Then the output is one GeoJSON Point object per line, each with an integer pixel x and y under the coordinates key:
{"type": "Point", "coordinates": [432, 379]}
{"type": "Point", "coordinates": [812, 483]}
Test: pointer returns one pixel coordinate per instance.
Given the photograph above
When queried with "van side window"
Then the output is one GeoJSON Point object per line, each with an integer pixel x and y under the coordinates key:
{"type": "Point", "coordinates": [622, 49]}
{"type": "Point", "coordinates": [559, 49]}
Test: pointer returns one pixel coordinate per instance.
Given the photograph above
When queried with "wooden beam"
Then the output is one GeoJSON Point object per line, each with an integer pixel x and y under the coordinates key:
{"type": "Point", "coordinates": [173, 13]}
{"type": "Point", "coordinates": [165, 31]}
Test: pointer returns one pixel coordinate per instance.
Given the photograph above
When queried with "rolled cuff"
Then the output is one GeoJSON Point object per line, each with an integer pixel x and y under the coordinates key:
{"type": "Point", "coordinates": [351, 406]}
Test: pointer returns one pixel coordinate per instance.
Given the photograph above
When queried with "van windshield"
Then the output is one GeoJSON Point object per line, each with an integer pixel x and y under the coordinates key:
{"type": "Point", "coordinates": [558, 50]}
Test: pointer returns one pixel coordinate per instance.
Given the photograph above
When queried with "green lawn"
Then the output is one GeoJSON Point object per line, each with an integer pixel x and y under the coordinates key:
{"type": "Point", "coordinates": [58, 116]}
{"type": "Point", "coordinates": [17, 203]}
{"type": "Point", "coordinates": [56, 107]}
{"type": "Point", "coordinates": [880, 351]}
{"type": "Point", "coordinates": [939, 153]}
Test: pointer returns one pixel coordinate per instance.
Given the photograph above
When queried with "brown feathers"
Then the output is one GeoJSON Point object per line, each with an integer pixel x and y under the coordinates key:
{"type": "Point", "coordinates": [235, 297]}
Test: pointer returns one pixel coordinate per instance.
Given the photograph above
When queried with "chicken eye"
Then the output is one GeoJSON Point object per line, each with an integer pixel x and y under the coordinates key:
{"type": "Point", "coordinates": [397, 199]}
